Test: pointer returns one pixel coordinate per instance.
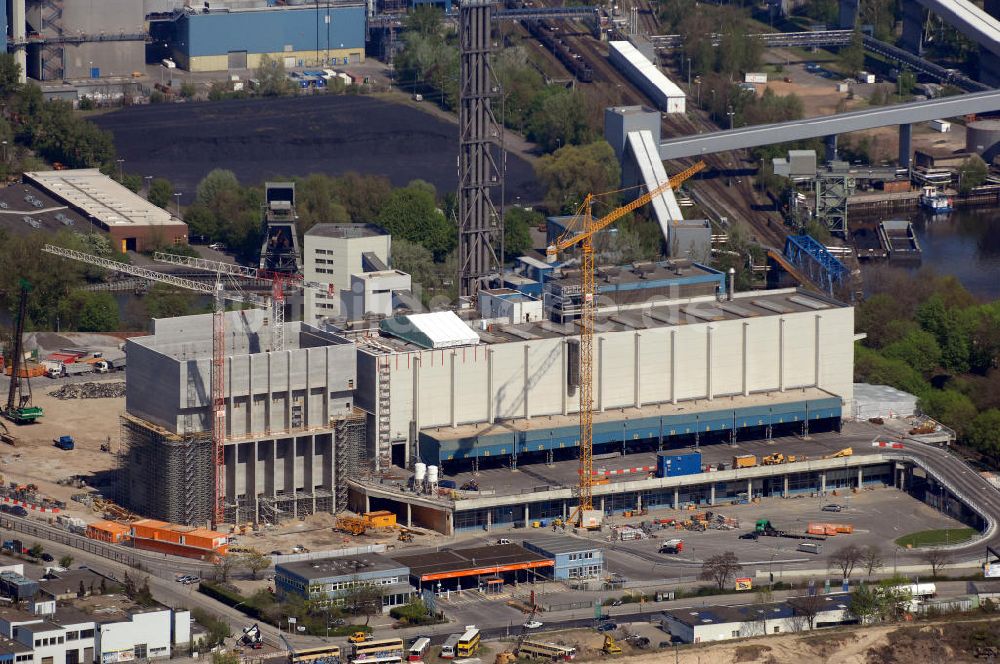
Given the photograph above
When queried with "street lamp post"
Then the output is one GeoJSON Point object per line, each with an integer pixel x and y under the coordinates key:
{"type": "Point", "coordinates": [730, 113]}
{"type": "Point", "coordinates": [689, 75]}
{"type": "Point", "coordinates": [147, 180]}
{"type": "Point", "coordinates": [177, 197]}
{"type": "Point", "coordinates": [121, 168]}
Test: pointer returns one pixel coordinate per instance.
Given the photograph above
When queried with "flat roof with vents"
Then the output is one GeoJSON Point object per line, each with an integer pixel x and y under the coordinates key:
{"type": "Point", "coordinates": [101, 199]}
{"type": "Point", "coordinates": [361, 566]}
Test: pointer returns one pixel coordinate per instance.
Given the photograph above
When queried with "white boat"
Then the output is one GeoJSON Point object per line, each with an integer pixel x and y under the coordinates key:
{"type": "Point", "coordinates": [936, 201]}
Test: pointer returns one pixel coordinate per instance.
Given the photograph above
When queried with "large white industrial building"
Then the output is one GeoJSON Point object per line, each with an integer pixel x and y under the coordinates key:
{"type": "Point", "coordinates": [696, 356]}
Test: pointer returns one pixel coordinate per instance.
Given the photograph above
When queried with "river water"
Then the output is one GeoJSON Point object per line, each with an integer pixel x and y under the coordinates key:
{"type": "Point", "coordinates": [964, 243]}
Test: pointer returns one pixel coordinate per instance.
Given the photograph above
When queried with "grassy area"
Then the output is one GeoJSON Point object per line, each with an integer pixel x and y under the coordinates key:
{"type": "Point", "coordinates": [936, 537]}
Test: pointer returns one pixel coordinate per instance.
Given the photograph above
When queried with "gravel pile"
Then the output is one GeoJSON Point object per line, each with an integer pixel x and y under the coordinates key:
{"type": "Point", "coordinates": [90, 391]}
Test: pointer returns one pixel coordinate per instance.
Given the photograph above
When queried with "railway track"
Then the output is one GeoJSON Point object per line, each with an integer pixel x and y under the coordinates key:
{"type": "Point", "coordinates": [729, 192]}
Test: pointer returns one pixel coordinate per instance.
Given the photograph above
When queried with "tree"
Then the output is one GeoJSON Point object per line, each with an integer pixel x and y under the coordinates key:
{"type": "Point", "coordinates": [936, 558]}
{"type": "Point", "coordinates": [10, 75]}
{"type": "Point", "coordinates": [864, 604]}
{"type": "Point", "coordinates": [905, 82]}
{"type": "Point", "coordinates": [972, 173]}
{"type": "Point", "coordinates": [918, 349]}
{"type": "Point", "coordinates": [256, 562]}
{"type": "Point", "coordinates": [218, 629]}
{"type": "Point", "coordinates": [845, 559]}
{"type": "Point", "coordinates": [518, 223]}
{"type": "Point", "coordinates": [871, 559]}
{"type": "Point", "coordinates": [66, 561]}
{"type": "Point", "coordinates": [223, 566]}
{"type": "Point", "coordinates": [216, 184]}
{"type": "Point", "coordinates": [225, 657]}
{"type": "Point", "coordinates": [36, 550]}
{"type": "Point", "coordinates": [187, 90]}
{"type": "Point", "coordinates": [272, 78]}
{"type": "Point", "coordinates": [425, 19]}
{"type": "Point", "coordinates": [949, 407]}
{"type": "Point", "coordinates": [984, 433]}
{"type": "Point", "coordinates": [853, 56]}
{"type": "Point", "coordinates": [160, 192]}
{"type": "Point", "coordinates": [559, 117]}
{"type": "Point", "coordinates": [808, 607]}
{"type": "Point", "coordinates": [411, 213]}
{"type": "Point", "coordinates": [99, 313]}
{"type": "Point", "coordinates": [572, 172]}
{"type": "Point", "coordinates": [363, 599]}
{"type": "Point", "coordinates": [720, 568]}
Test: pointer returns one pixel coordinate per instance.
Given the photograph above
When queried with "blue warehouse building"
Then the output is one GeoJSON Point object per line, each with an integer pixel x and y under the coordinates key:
{"type": "Point", "coordinates": [299, 36]}
{"type": "Point", "coordinates": [574, 558]}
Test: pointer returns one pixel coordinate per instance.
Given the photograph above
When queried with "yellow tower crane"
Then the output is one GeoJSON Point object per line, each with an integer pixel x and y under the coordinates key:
{"type": "Point", "coordinates": [585, 238]}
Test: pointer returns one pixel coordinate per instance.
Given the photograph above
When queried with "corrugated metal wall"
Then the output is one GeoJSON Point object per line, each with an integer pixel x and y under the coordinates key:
{"type": "Point", "coordinates": [275, 31]}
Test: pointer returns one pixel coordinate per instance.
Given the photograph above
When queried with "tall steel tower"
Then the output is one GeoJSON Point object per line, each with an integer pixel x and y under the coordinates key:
{"type": "Point", "coordinates": [481, 160]}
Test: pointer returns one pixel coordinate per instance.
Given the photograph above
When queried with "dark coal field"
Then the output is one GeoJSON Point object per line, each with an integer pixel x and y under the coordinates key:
{"type": "Point", "coordinates": [291, 136]}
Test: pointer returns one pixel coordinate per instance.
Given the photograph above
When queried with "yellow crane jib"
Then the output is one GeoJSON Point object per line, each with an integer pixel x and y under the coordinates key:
{"type": "Point", "coordinates": [564, 243]}
{"type": "Point", "coordinates": [584, 514]}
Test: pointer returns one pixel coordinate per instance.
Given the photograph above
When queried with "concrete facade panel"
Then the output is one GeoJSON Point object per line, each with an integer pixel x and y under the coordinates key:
{"type": "Point", "coordinates": [692, 361]}
{"type": "Point", "coordinates": [762, 355]}
{"type": "Point", "coordinates": [727, 359]}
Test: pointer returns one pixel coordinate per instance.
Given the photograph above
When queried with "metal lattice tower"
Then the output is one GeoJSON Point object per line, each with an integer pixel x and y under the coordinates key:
{"type": "Point", "coordinates": [480, 156]}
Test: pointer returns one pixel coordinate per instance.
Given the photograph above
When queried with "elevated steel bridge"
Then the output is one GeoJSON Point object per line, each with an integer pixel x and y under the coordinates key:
{"type": "Point", "coordinates": [830, 125]}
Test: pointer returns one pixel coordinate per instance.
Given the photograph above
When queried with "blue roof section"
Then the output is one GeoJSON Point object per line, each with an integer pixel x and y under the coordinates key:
{"type": "Point", "coordinates": [272, 30]}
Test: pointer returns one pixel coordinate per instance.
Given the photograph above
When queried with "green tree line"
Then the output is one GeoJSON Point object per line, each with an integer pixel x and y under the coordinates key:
{"type": "Point", "coordinates": [929, 336]}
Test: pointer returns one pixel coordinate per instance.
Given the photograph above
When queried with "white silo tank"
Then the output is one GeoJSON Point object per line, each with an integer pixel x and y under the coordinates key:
{"type": "Point", "coordinates": [432, 474]}
{"type": "Point", "coordinates": [419, 472]}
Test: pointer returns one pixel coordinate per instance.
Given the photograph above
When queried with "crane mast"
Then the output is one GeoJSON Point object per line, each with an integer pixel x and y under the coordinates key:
{"type": "Point", "coordinates": [217, 414]}
{"type": "Point", "coordinates": [585, 238]}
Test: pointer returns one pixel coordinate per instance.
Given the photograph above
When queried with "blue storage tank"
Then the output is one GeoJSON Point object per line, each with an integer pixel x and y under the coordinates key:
{"type": "Point", "coordinates": [674, 465]}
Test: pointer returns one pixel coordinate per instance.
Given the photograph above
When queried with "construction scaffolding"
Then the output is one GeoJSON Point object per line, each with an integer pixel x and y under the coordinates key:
{"type": "Point", "coordinates": [349, 456]}
{"type": "Point", "coordinates": [164, 475]}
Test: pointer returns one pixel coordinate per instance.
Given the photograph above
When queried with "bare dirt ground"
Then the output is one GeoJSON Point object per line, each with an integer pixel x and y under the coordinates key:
{"type": "Point", "coordinates": [940, 641]}
{"type": "Point", "coordinates": [819, 96]}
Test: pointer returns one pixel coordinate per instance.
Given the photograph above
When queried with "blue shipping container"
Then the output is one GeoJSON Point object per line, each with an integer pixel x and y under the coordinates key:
{"type": "Point", "coordinates": [675, 465]}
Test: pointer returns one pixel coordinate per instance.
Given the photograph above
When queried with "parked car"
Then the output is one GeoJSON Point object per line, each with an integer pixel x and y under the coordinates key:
{"type": "Point", "coordinates": [533, 624]}
{"type": "Point", "coordinates": [217, 246]}
{"type": "Point", "coordinates": [607, 627]}
{"type": "Point", "coordinates": [832, 508]}
{"type": "Point", "coordinates": [47, 557]}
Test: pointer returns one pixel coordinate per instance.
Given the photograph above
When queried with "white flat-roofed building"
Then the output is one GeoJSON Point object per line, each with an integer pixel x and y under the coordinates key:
{"type": "Point", "coordinates": [331, 254]}
{"type": "Point", "coordinates": [132, 222]}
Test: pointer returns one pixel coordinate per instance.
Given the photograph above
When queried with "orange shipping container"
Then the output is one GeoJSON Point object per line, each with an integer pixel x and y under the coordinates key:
{"type": "Point", "coordinates": [206, 539]}
{"type": "Point", "coordinates": [147, 528]}
{"type": "Point", "coordinates": [381, 519]}
{"type": "Point", "coordinates": [107, 531]}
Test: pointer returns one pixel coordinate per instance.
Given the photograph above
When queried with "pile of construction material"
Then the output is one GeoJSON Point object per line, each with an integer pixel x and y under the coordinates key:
{"type": "Point", "coordinates": [108, 390]}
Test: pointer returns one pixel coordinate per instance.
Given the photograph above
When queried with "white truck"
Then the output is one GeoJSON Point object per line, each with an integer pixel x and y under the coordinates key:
{"type": "Point", "coordinates": [77, 368]}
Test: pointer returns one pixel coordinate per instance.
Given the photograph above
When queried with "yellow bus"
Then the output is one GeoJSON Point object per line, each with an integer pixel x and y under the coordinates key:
{"type": "Point", "coordinates": [318, 655]}
{"type": "Point", "coordinates": [545, 650]}
{"type": "Point", "coordinates": [468, 643]}
{"type": "Point", "coordinates": [381, 651]}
